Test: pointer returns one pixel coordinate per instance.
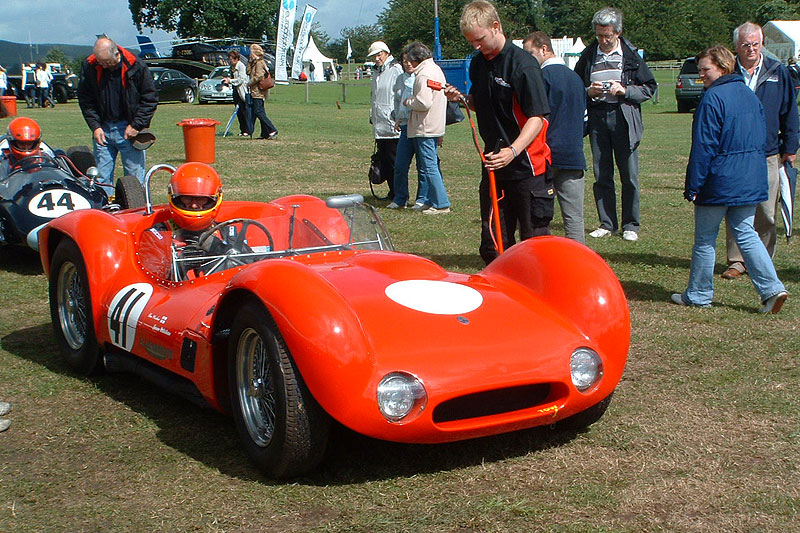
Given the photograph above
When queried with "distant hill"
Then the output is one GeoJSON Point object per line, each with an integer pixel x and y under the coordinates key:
{"type": "Point", "coordinates": [12, 54]}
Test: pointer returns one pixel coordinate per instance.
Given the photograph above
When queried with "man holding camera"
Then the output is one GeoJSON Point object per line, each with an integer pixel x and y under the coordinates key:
{"type": "Point", "coordinates": [617, 81]}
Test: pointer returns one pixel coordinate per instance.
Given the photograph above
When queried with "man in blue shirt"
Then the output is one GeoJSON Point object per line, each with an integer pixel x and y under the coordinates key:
{"type": "Point", "coordinates": [567, 98]}
{"type": "Point", "coordinates": [773, 85]}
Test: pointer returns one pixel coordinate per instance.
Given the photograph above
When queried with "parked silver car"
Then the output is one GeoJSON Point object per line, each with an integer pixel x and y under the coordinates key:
{"type": "Point", "coordinates": [213, 90]}
{"type": "Point", "coordinates": [688, 87]}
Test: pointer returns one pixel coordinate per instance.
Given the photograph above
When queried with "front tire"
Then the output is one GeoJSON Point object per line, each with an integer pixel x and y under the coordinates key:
{"type": "Point", "coordinates": [282, 428]}
{"type": "Point", "coordinates": [71, 309]}
{"type": "Point", "coordinates": [61, 94]}
{"type": "Point", "coordinates": [188, 95]}
{"type": "Point", "coordinates": [129, 193]}
{"type": "Point", "coordinates": [584, 419]}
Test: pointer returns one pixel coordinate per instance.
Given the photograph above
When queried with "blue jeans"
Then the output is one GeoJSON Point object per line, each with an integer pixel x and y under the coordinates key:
{"type": "Point", "coordinates": [258, 112]}
{"type": "Point", "coordinates": [707, 219]}
{"type": "Point", "coordinates": [428, 169]}
{"type": "Point", "coordinates": [402, 162]}
{"type": "Point", "coordinates": [133, 160]}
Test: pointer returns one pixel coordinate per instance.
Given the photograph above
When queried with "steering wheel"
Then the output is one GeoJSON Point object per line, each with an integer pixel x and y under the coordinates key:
{"type": "Point", "coordinates": [29, 163]}
{"type": "Point", "coordinates": [238, 246]}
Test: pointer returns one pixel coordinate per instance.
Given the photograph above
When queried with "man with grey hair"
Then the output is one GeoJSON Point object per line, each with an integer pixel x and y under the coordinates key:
{"type": "Point", "coordinates": [118, 99]}
{"type": "Point", "coordinates": [772, 83]}
{"type": "Point", "coordinates": [617, 81]}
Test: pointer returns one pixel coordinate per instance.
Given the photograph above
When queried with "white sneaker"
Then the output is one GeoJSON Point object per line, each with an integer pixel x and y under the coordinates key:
{"type": "Point", "coordinates": [774, 303]}
{"type": "Point", "coordinates": [600, 232]}
{"type": "Point", "coordinates": [435, 211]}
{"type": "Point", "coordinates": [394, 205]}
{"type": "Point", "coordinates": [677, 298]}
{"type": "Point", "coordinates": [629, 235]}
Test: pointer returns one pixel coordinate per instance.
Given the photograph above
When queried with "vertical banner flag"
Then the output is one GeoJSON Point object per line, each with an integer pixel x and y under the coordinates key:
{"type": "Point", "coordinates": [285, 37]}
{"type": "Point", "coordinates": [302, 41]}
{"type": "Point", "coordinates": [349, 50]}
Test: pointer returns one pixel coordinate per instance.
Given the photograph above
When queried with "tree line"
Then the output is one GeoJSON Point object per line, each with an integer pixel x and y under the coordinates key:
{"type": "Point", "coordinates": [668, 29]}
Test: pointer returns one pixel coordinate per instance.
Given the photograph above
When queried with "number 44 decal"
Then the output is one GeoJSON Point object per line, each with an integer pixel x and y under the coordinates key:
{"type": "Point", "coordinates": [124, 312]}
{"type": "Point", "coordinates": [53, 203]}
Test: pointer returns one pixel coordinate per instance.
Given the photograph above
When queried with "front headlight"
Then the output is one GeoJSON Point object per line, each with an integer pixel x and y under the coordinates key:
{"type": "Point", "coordinates": [585, 367]}
{"type": "Point", "coordinates": [400, 395]}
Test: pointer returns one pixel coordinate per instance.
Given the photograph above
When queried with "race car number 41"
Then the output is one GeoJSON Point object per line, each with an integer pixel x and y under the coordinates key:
{"type": "Point", "coordinates": [54, 203]}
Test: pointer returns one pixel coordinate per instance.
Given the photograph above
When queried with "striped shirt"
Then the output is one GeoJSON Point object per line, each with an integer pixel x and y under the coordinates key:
{"type": "Point", "coordinates": [607, 67]}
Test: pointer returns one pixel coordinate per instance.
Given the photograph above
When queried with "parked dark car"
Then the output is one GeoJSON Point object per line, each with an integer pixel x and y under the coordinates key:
{"type": "Point", "coordinates": [65, 86]}
{"type": "Point", "coordinates": [173, 85]}
{"type": "Point", "coordinates": [688, 87]}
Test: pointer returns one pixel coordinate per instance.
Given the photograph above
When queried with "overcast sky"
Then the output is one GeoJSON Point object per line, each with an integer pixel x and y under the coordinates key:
{"type": "Point", "coordinates": [79, 21]}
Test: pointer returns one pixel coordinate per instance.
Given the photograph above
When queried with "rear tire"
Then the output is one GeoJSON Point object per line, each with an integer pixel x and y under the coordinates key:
{"type": "Point", "coordinates": [188, 95]}
{"type": "Point", "coordinates": [129, 193]}
{"type": "Point", "coordinates": [282, 428]}
{"type": "Point", "coordinates": [71, 309]}
{"type": "Point", "coordinates": [684, 107]}
{"type": "Point", "coordinates": [82, 157]}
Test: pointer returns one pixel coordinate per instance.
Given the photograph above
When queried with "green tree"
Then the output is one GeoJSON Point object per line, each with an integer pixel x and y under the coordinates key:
{"type": "Point", "coordinates": [56, 55]}
{"type": "Point", "coordinates": [774, 10]}
{"type": "Point", "coordinates": [360, 39]}
{"type": "Point", "coordinates": [208, 18]}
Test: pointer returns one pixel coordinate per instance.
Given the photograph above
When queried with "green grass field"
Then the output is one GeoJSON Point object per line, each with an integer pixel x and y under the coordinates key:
{"type": "Point", "coordinates": [703, 433]}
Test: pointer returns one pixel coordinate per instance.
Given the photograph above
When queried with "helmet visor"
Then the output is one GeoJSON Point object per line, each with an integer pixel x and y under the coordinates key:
{"type": "Point", "coordinates": [25, 146]}
{"type": "Point", "coordinates": [194, 203]}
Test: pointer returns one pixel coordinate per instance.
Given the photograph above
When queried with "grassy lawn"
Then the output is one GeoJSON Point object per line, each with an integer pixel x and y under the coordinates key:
{"type": "Point", "coordinates": [703, 433]}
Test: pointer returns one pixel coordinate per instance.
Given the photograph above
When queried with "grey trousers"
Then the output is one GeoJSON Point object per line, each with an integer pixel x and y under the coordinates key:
{"type": "Point", "coordinates": [608, 135]}
{"type": "Point", "coordinates": [764, 222]}
{"type": "Point", "coordinates": [569, 184]}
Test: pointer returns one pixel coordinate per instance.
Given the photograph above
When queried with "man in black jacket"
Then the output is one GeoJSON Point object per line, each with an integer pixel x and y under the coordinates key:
{"type": "Point", "coordinates": [118, 100]}
{"type": "Point", "coordinates": [617, 81]}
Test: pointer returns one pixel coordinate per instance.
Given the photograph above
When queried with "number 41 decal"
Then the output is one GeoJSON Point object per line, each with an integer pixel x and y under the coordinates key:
{"type": "Point", "coordinates": [124, 312]}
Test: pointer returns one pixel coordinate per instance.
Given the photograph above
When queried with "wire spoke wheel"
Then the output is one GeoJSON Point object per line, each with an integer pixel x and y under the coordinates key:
{"type": "Point", "coordinates": [282, 428]}
{"type": "Point", "coordinates": [72, 313]}
{"type": "Point", "coordinates": [71, 308]}
{"type": "Point", "coordinates": [256, 389]}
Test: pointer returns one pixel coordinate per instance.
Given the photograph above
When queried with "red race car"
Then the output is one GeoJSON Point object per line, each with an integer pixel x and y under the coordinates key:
{"type": "Point", "coordinates": [292, 314]}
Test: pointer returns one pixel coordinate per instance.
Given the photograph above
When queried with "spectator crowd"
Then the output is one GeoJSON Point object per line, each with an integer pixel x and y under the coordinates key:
{"type": "Point", "coordinates": [532, 114]}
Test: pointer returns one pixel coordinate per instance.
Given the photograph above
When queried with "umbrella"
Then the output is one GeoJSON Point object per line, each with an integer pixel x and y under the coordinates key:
{"type": "Point", "coordinates": [228, 127]}
{"type": "Point", "coordinates": [788, 185]}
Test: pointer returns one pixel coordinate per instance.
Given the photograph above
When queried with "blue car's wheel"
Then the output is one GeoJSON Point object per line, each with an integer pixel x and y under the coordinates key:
{"type": "Point", "coordinates": [281, 426]}
{"type": "Point", "coordinates": [71, 308]}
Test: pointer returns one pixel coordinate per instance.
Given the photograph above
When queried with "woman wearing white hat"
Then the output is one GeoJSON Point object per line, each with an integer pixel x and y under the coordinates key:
{"type": "Point", "coordinates": [384, 75]}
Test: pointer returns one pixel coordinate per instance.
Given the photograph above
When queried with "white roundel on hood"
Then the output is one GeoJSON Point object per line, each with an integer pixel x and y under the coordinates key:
{"type": "Point", "coordinates": [435, 297]}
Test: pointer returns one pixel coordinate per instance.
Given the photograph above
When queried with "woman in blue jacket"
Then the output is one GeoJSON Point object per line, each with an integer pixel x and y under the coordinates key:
{"type": "Point", "coordinates": [726, 178]}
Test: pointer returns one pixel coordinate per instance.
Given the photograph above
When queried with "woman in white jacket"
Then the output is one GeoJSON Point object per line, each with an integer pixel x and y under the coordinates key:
{"type": "Point", "coordinates": [426, 123]}
{"type": "Point", "coordinates": [239, 81]}
{"type": "Point", "coordinates": [384, 76]}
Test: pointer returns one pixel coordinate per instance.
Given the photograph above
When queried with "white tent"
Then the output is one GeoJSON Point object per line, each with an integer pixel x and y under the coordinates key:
{"type": "Point", "coordinates": [566, 48]}
{"type": "Point", "coordinates": [312, 55]}
{"type": "Point", "coordinates": [782, 38]}
{"type": "Point", "coordinates": [572, 55]}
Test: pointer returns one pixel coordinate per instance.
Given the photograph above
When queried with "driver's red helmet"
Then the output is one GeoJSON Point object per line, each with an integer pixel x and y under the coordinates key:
{"type": "Point", "coordinates": [195, 195]}
{"type": "Point", "coordinates": [24, 137]}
